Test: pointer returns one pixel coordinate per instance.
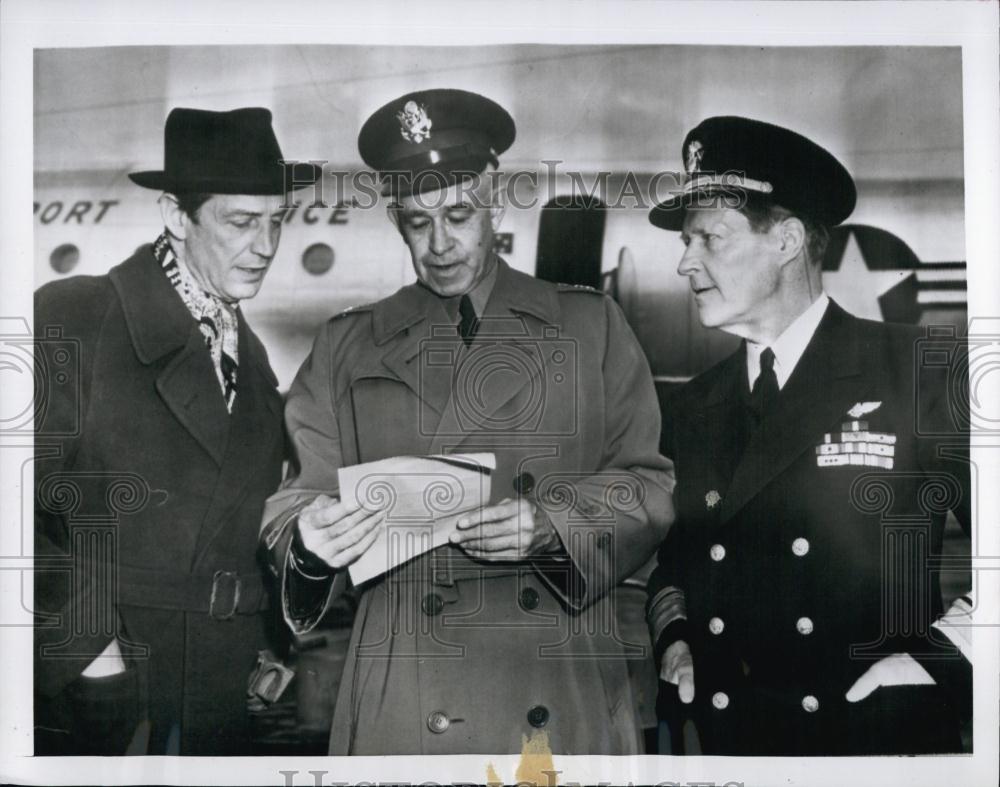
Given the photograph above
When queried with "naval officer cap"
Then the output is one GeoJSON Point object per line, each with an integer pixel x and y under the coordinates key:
{"type": "Point", "coordinates": [736, 156]}
{"type": "Point", "coordinates": [433, 138]}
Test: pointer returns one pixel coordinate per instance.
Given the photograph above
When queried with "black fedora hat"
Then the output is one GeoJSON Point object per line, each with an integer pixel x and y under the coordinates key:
{"type": "Point", "coordinates": [233, 152]}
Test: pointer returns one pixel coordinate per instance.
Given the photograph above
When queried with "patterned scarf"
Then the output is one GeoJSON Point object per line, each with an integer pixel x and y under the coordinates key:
{"type": "Point", "coordinates": [217, 319]}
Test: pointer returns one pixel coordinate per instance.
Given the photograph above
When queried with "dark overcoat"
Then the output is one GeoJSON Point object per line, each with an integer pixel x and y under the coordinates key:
{"type": "Point", "coordinates": [148, 500]}
{"type": "Point", "coordinates": [798, 572]}
{"type": "Point", "coordinates": [450, 655]}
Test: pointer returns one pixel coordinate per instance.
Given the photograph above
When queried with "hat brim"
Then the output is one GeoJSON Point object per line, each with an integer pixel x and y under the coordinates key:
{"type": "Point", "coordinates": [669, 214]}
{"type": "Point", "coordinates": [434, 178]}
{"type": "Point", "coordinates": [305, 174]}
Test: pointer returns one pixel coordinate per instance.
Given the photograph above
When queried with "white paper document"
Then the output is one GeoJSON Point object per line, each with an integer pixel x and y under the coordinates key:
{"type": "Point", "coordinates": [423, 497]}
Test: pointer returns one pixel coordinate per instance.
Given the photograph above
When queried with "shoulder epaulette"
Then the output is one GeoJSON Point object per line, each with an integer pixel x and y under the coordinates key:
{"type": "Point", "coordinates": [359, 309]}
{"type": "Point", "coordinates": [578, 288]}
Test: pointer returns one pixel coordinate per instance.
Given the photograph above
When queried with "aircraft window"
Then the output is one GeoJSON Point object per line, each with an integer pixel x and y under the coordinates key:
{"type": "Point", "coordinates": [317, 259]}
{"type": "Point", "coordinates": [64, 258]}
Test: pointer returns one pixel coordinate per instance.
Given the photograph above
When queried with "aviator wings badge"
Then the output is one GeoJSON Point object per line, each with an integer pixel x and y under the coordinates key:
{"type": "Point", "coordinates": [863, 408]}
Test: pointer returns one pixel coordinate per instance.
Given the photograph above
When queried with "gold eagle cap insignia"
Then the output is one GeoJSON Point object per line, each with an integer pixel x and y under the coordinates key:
{"type": "Point", "coordinates": [414, 124]}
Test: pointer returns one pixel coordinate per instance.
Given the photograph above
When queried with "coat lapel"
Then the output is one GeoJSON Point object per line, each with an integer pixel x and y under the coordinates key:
{"type": "Point", "coordinates": [424, 343]}
{"type": "Point", "coordinates": [505, 357]}
{"type": "Point", "coordinates": [821, 389]}
{"type": "Point", "coordinates": [255, 425]}
{"type": "Point", "coordinates": [714, 429]}
{"type": "Point", "coordinates": [160, 324]}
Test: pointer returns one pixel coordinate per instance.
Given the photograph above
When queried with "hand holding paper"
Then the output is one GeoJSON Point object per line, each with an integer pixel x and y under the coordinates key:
{"type": "Point", "coordinates": [338, 533]}
{"type": "Point", "coordinates": [422, 498]}
{"type": "Point", "coordinates": [510, 530]}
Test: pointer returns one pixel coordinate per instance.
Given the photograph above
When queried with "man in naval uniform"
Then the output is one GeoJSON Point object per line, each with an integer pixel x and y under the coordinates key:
{"type": "Point", "coordinates": [505, 634]}
{"type": "Point", "coordinates": [794, 604]}
{"type": "Point", "coordinates": [157, 441]}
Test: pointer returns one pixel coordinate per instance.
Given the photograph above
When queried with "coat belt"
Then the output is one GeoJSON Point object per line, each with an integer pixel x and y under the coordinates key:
{"type": "Point", "coordinates": [222, 594]}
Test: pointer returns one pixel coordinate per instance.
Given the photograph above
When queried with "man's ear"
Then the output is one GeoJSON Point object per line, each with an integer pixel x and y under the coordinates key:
{"type": "Point", "coordinates": [174, 219]}
{"type": "Point", "coordinates": [791, 238]}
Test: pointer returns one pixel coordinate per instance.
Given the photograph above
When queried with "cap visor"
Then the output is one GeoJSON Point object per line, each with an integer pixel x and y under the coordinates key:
{"type": "Point", "coordinates": [669, 214]}
{"type": "Point", "coordinates": [407, 183]}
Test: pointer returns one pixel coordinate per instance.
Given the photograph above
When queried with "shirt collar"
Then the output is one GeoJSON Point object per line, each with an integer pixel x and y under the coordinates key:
{"type": "Point", "coordinates": [788, 347]}
{"type": "Point", "coordinates": [480, 294]}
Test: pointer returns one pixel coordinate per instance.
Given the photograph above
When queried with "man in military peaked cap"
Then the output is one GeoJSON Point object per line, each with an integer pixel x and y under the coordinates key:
{"type": "Point", "coordinates": [158, 439]}
{"type": "Point", "coordinates": [794, 605]}
{"type": "Point", "coordinates": [504, 634]}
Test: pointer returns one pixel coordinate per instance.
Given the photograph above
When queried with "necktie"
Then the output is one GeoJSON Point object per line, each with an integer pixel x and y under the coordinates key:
{"type": "Point", "coordinates": [765, 388]}
{"type": "Point", "coordinates": [469, 323]}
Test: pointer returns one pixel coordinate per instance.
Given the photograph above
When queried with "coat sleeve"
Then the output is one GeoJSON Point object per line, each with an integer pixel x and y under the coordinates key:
{"type": "Point", "coordinates": [611, 521]}
{"type": "Point", "coordinates": [666, 605]}
{"type": "Point", "coordinates": [67, 328]}
{"type": "Point", "coordinates": [311, 422]}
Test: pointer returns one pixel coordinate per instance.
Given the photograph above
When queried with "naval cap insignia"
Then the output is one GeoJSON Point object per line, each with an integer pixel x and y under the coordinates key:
{"type": "Point", "coordinates": [414, 125]}
{"type": "Point", "coordinates": [692, 160]}
{"type": "Point", "coordinates": [712, 499]}
{"type": "Point", "coordinates": [863, 408]}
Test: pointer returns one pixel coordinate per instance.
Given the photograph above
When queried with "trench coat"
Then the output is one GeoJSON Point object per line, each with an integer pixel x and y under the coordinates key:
{"type": "Point", "coordinates": [147, 502]}
{"type": "Point", "coordinates": [790, 573]}
{"type": "Point", "coordinates": [451, 655]}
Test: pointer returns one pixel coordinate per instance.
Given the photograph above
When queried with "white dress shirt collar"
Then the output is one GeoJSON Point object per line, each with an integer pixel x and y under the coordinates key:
{"type": "Point", "coordinates": [788, 347]}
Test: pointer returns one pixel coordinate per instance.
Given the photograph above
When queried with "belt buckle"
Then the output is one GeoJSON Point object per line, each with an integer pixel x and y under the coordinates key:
{"type": "Point", "coordinates": [235, 579]}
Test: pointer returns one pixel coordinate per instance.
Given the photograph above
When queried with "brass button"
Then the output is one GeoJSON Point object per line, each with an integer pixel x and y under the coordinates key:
{"type": "Point", "coordinates": [432, 604]}
{"type": "Point", "coordinates": [800, 547]}
{"type": "Point", "coordinates": [538, 716]}
{"type": "Point", "coordinates": [720, 700]}
{"type": "Point", "coordinates": [529, 598]}
{"type": "Point", "coordinates": [810, 704]}
{"type": "Point", "coordinates": [524, 483]}
{"type": "Point", "coordinates": [716, 626]}
{"type": "Point", "coordinates": [717, 552]}
{"type": "Point", "coordinates": [804, 626]}
{"type": "Point", "coordinates": [438, 721]}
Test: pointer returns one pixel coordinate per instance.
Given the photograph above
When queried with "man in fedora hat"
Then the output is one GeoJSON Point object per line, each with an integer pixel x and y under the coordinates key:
{"type": "Point", "coordinates": [505, 634]}
{"type": "Point", "coordinates": [794, 604]}
{"type": "Point", "coordinates": [157, 444]}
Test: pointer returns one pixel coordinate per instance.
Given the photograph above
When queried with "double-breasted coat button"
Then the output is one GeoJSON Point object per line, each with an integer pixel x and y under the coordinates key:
{"type": "Point", "coordinates": [717, 552]}
{"type": "Point", "coordinates": [524, 483]}
{"type": "Point", "coordinates": [810, 704]}
{"type": "Point", "coordinates": [438, 721]}
{"type": "Point", "coordinates": [538, 716]}
{"type": "Point", "coordinates": [528, 598]}
{"type": "Point", "coordinates": [804, 626]}
{"type": "Point", "coordinates": [720, 700]}
{"type": "Point", "coordinates": [432, 604]}
{"type": "Point", "coordinates": [800, 547]}
{"type": "Point", "coordinates": [715, 625]}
